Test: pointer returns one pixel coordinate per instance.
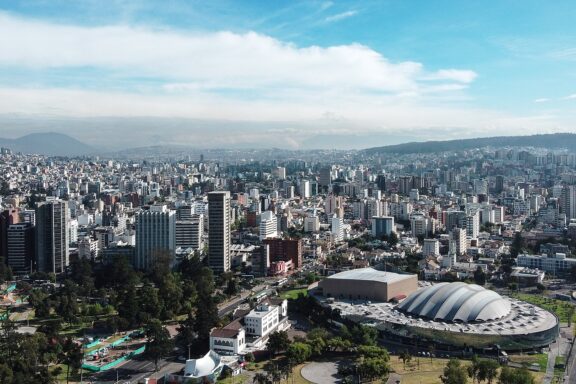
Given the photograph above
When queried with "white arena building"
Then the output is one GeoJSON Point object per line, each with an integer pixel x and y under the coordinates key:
{"type": "Point", "coordinates": [455, 314]}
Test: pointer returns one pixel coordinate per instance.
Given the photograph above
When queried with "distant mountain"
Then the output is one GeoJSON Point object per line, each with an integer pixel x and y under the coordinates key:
{"type": "Point", "coordinates": [48, 143]}
{"type": "Point", "coordinates": [551, 141]}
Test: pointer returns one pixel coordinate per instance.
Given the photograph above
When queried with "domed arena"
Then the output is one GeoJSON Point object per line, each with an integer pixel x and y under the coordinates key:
{"type": "Point", "coordinates": [451, 315]}
{"type": "Point", "coordinates": [456, 302]}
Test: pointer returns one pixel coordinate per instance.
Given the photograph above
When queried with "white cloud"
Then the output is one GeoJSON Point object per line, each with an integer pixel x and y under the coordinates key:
{"type": "Point", "coordinates": [461, 76]}
{"type": "Point", "coordinates": [242, 77]}
{"type": "Point", "coordinates": [570, 97]}
{"type": "Point", "coordinates": [542, 100]}
{"type": "Point", "coordinates": [220, 62]}
{"type": "Point", "coordinates": [340, 16]}
{"type": "Point", "coordinates": [212, 60]}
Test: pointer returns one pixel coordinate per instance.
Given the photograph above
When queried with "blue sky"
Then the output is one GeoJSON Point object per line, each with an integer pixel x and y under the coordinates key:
{"type": "Point", "coordinates": [300, 71]}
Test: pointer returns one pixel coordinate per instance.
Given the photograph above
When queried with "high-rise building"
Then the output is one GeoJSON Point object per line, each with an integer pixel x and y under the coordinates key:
{"type": "Point", "coordinates": [52, 254]}
{"type": "Point", "coordinates": [325, 177]}
{"type": "Point", "coordinates": [7, 218]}
{"type": "Point", "coordinates": [454, 219]}
{"type": "Point", "coordinates": [332, 203]}
{"type": "Point", "coordinates": [337, 228]}
{"type": "Point", "coordinates": [458, 235]}
{"type": "Point", "coordinates": [189, 232]}
{"type": "Point", "coordinates": [473, 224]}
{"type": "Point", "coordinates": [268, 225]}
{"type": "Point", "coordinates": [499, 184]}
{"type": "Point", "coordinates": [304, 188]}
{"type": "Point", "coordinates": [431, 247]}
{"type": "Point", "coordinates": [20, 245]}
{"type": "Point", "coordinates": [382, 226]}
{"type": "Point", "coordinates": [285, 250]}
{"type": "Point", "coordinates": [405, 185]}
{"type": "Point", "coordinates": [279, 173]}
{"type": "Point", "coordinates": [155, 235]}
{"type": "Point", "coordinates": [568, 201]}
{"type": "Point", "coordinates": [219, 231]}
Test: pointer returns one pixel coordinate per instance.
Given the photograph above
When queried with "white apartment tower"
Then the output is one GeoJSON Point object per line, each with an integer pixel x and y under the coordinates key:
{"type": "Point", "coordinates": [268, 225]}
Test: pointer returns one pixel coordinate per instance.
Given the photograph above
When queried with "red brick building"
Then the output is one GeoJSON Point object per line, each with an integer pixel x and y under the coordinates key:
{"type": "Point", "coordinates": [285, 250]}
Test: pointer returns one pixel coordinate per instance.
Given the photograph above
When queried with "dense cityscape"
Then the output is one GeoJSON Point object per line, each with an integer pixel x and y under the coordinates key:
{"type": "Point", "coordinates": [287, 192]}
{"type": "Point", "coordinates": [214, 268]}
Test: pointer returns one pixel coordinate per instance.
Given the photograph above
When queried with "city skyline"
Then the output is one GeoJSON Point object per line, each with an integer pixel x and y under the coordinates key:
{"type": "Point", "coordinates": [300, 74]}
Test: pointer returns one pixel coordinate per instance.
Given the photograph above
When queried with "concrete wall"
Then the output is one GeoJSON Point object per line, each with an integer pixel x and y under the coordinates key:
{"type": "Point", "coordinates": [367, 289]}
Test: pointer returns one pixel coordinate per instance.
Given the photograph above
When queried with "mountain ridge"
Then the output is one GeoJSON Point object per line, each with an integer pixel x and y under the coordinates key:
{"type": "Point", "coordinates": [549, 140]}
{"type": "Point", "coordinates": [48, 143]}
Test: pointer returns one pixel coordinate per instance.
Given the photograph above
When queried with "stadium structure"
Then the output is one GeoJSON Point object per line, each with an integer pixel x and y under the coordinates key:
{"type": "Point", "coordinates": [455, 314]}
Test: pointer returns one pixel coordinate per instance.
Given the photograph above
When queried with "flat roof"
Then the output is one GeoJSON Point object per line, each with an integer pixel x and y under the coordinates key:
{"type": "Point", "coordinates": [370, 274]}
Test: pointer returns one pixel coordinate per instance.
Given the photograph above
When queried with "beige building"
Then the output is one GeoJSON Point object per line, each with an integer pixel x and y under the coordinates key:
{"type": "Point", "coordinates": [368, 284]}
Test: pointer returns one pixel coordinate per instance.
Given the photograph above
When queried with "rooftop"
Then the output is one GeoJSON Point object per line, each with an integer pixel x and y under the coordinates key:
{"type": "Point", "coordinates": [369, 274]}
{"type": "Point", "coordinates": [523, 318]}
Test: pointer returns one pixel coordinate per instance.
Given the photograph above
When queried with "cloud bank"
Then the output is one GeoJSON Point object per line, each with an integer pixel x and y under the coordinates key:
{"type": "Point", "coordinates": [162, 73]}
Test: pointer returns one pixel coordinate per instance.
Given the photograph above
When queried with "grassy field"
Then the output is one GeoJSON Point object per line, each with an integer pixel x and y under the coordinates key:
{"type": "Point", "coordinates": [541, 359]}
{"type": "Point", "coordinates": [293, 294]}
{"type": "Point", "coordinates": [560, 308]}
{"type": "Point", "coordinates": [430, 370]}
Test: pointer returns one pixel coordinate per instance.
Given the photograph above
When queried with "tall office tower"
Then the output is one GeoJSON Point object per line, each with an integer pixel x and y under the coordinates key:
{"type": "Point", "coordinates": [52, 236]}
{"type": "Point", "coordinates": [219, 231]}
{"type": "Point", "coordinates": [325, 177]}
{"type": "Point", "coordinates": [381, 182]}
{"type": "Point", "coordinates": [568, 201]}
{"type": "Point", "coordinates": [20, 244]}
{"type": "Point", "coordinates": [7, 218]}
{"type": "Point", "coordinates": [155, 235]}
{"type": "Point", "coordinates": [499, 184]}
{"type": "Point", "coordinates": [404, 185]}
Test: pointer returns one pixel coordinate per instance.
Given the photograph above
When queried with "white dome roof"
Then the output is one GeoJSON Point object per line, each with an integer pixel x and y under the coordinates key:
{"type": "Point", "coordinates": [456, 302]}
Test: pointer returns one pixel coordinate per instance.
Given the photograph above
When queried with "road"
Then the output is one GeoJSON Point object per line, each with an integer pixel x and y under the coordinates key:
{"type": "Point", "coordinates": [560, 347]}
{"type": "Point", "coordinates": [136, 369]}
{"type": "Point", "coordinates": [229, 306]}
{"type": "Point", "coordinates": [571, 366]}
{"type": "Point", "coordinates": [129, 372]}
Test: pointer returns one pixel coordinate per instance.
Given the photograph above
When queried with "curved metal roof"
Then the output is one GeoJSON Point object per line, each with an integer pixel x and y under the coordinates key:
{"type": "Point", "coordinates": [456, 302]}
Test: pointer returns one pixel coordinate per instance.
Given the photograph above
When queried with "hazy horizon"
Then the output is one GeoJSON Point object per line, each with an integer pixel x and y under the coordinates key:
{"type": "Point", "coordinates": [302, 74]}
